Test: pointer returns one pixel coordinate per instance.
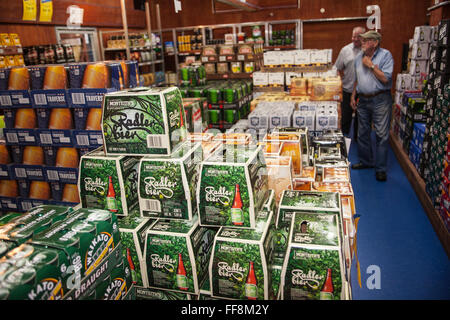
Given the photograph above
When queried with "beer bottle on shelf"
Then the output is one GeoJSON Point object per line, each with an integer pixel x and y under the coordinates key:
{"type": "Point", "coordinates": [327, 290]}
{"type": "Point", "coordinates": [181, 274]}
{"type": "Point", "coordinates": [237, 217]}
{"type": "Point", "coordinates": [111, 203]}
{"type": "Point", "coordinates": [251, 286]}
{"type": "Point", "coordinates": [131, 264]}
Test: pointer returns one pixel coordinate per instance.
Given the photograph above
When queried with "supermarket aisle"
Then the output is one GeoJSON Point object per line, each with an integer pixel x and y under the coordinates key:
{"type": "Point", "coordinates": [396, 236]}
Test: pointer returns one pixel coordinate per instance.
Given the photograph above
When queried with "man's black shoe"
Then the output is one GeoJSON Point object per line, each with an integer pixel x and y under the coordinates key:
{"type": "Point", "coordinates": [360, 165]}
{"type": "Point", "coordinates": [381, 176]}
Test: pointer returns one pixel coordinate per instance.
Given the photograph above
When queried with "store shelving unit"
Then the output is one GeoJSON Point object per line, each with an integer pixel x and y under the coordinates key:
{"type": "Point", "coordinates": [225, 76]}
{"type": "Point", "coordinates": [6, 51]}
{"type": "Point", "coordinates": [128, 49]}
{"type": "Point", "coordinates": [418, 185]}
{"type": "Point", "coordinates": [268, 27]}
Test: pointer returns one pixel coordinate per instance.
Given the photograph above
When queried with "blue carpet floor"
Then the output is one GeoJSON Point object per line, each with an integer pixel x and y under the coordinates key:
{"type": "Point", "coordinates": [400, 255]}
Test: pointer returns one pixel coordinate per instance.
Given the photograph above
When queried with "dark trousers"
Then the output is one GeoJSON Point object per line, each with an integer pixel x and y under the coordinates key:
{"type": "Point", "coordinates": [346, 116]}
{"type": "Point", "coordinates": [377, 111]}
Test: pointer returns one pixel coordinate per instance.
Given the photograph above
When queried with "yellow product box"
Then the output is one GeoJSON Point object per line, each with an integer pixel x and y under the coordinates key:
{"type": "Point", "coordinates": [335, 174]}
{"type": "Point", "coordinates": [200, 137]}
{"type": "Point", "coordinates": [292, 147]}
{"type": "Point", "coordinates": [10, 62]}
{"type": "Point", "coordinates": [329, 89]}
{"type": "Point", "coordinates": [15, 40]}
{"type": "Point", "coordinates": [233, 138]}
{"type": "Point", "coordinates": [5, 39]}
{"type": "Point", "coordinates": [18, 60]}
{"type": "Point", "coordinates": [279, 173]}
{"type": "Point", "coordinates": [299, 87]}
{"type": "Point", "coordinates": [272, 149]}
{"type": "Point", "coordinates": [308, 174]}
{"type": "Point", "coordinates": [301, 185]}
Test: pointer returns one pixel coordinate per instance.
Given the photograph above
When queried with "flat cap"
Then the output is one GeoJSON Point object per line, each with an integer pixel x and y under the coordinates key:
{"type": "Point", "coordinates": [371, 34]}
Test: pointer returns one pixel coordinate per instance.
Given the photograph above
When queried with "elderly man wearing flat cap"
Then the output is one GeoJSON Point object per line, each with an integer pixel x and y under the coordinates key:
{"type": "Point", "coordinates": [373, 68]}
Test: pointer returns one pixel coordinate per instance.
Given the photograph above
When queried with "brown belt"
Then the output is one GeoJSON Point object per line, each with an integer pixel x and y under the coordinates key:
{"type": "Point", "coordinates": [373, 95]}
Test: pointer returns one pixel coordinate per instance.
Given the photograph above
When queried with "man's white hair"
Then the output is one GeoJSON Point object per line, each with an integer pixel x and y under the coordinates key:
{"type": "Point", "coordinates": [360, 28]}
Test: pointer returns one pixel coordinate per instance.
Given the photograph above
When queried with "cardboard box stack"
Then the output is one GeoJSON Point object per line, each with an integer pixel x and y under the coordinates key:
{"type": "Point", "coordinates": [409, 112]}
{"type": "Point", "coordinates": [227, 59]}
{"type": "Point", "coordinates": [421, 111]}
{"type": "Point", "coordinates": [272, 110]}
{"type": "Point", "coordinates": [11, 53]}
{"type": "Point", "coordinates": [281, 66]}
{"type": "Point", "coordinates": [192, 215]}
{"type": "Point", "coordinates": [56, 252]}
{"type": "Point", "coordinates": [436, 137]}
{"type": "Point", "coordinates": [52, 117]}
{"type": "Point", "coordinates": [223, 103]}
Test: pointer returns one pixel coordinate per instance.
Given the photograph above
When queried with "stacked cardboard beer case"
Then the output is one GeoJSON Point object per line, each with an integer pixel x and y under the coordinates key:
{"type": "Point", "coordinates": [409, 85]}
{"type": "Point", "coordinates": [53, 117]}
{"type": "Point", "coordinates": [142, 128]}
{"type": "Point", "coordinates": [324, 206]}
{"type": "Point", "coordinates": [319, 167]}
{"type": "Point", "coordinates": [313, 102]}
{"type": "Point", "coordinates": [56, 252]}
{"type": "Point", "coordinates": [435, 164]}
{"type": "Point", "coordinates": [421, 112]}
{"type": "Point", "coordinates": [233, 195]}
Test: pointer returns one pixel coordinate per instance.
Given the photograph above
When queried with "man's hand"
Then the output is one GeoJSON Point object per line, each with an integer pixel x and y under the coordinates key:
{"type": "Point", "coordinates": [353, 102]}
{"type": "Point", "coordinates": [367, 62]}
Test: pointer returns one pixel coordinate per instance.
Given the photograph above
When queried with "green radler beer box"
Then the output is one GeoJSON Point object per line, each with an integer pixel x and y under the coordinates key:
{"type": "Point", "coordinates": [143, 121]}
{"type": "Point", "coordinates": [177, 254]}
{"type": "Point", "coordinates": [241, 261]}
{"type": "Point", "coordinates": [108, 182]}
{"type": "Point", "coordinates": [313, 268]}
{"type": "Point", "coordinates": [167, 184]}
{"type": "Point", "coordinates": [232, 187]}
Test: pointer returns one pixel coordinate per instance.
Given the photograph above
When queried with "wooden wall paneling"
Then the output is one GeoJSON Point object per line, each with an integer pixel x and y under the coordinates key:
{"type": "Point", "coordinates": [96, 13]}
{"type": "Point", "coordinates": [326, 35]}
{"type": "Point", "coordinates": [438, 14]}
{"type": "Point", "coordinates": [30, 35]}
{"type": "Point", "coordinates": [398, 19]}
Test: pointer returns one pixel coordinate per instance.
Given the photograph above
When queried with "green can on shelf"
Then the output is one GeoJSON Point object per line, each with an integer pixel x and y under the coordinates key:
{"type": "Point", "coordinates": [214, 116]}
{"type": "Point", "coordinates": [230, 95]}
{"type": "Point", "coordinates": [195, 92]}
{"type": "Point", "coordinates": [214, 95]}
{"type": "Point", "coordinates": [231, 115]}
{"type": "Point", "coordinates": [184, 74]}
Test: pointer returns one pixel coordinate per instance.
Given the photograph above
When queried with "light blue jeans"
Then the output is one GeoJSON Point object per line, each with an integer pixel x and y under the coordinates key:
{"type": "Point", "coordinates": [376, 110]}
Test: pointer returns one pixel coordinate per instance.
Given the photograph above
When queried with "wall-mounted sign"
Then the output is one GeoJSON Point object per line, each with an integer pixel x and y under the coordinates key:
{"type": "Point", "coordinates": [29, 10]}
{"type": "Point", "coordinates": [374, 21]}
{"type": "Point", "coordinates": [75, 19]}
{"type": "Point", "coordinates": [46, 12]}
{"type": "Point", "coordinates": [177, 4]}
